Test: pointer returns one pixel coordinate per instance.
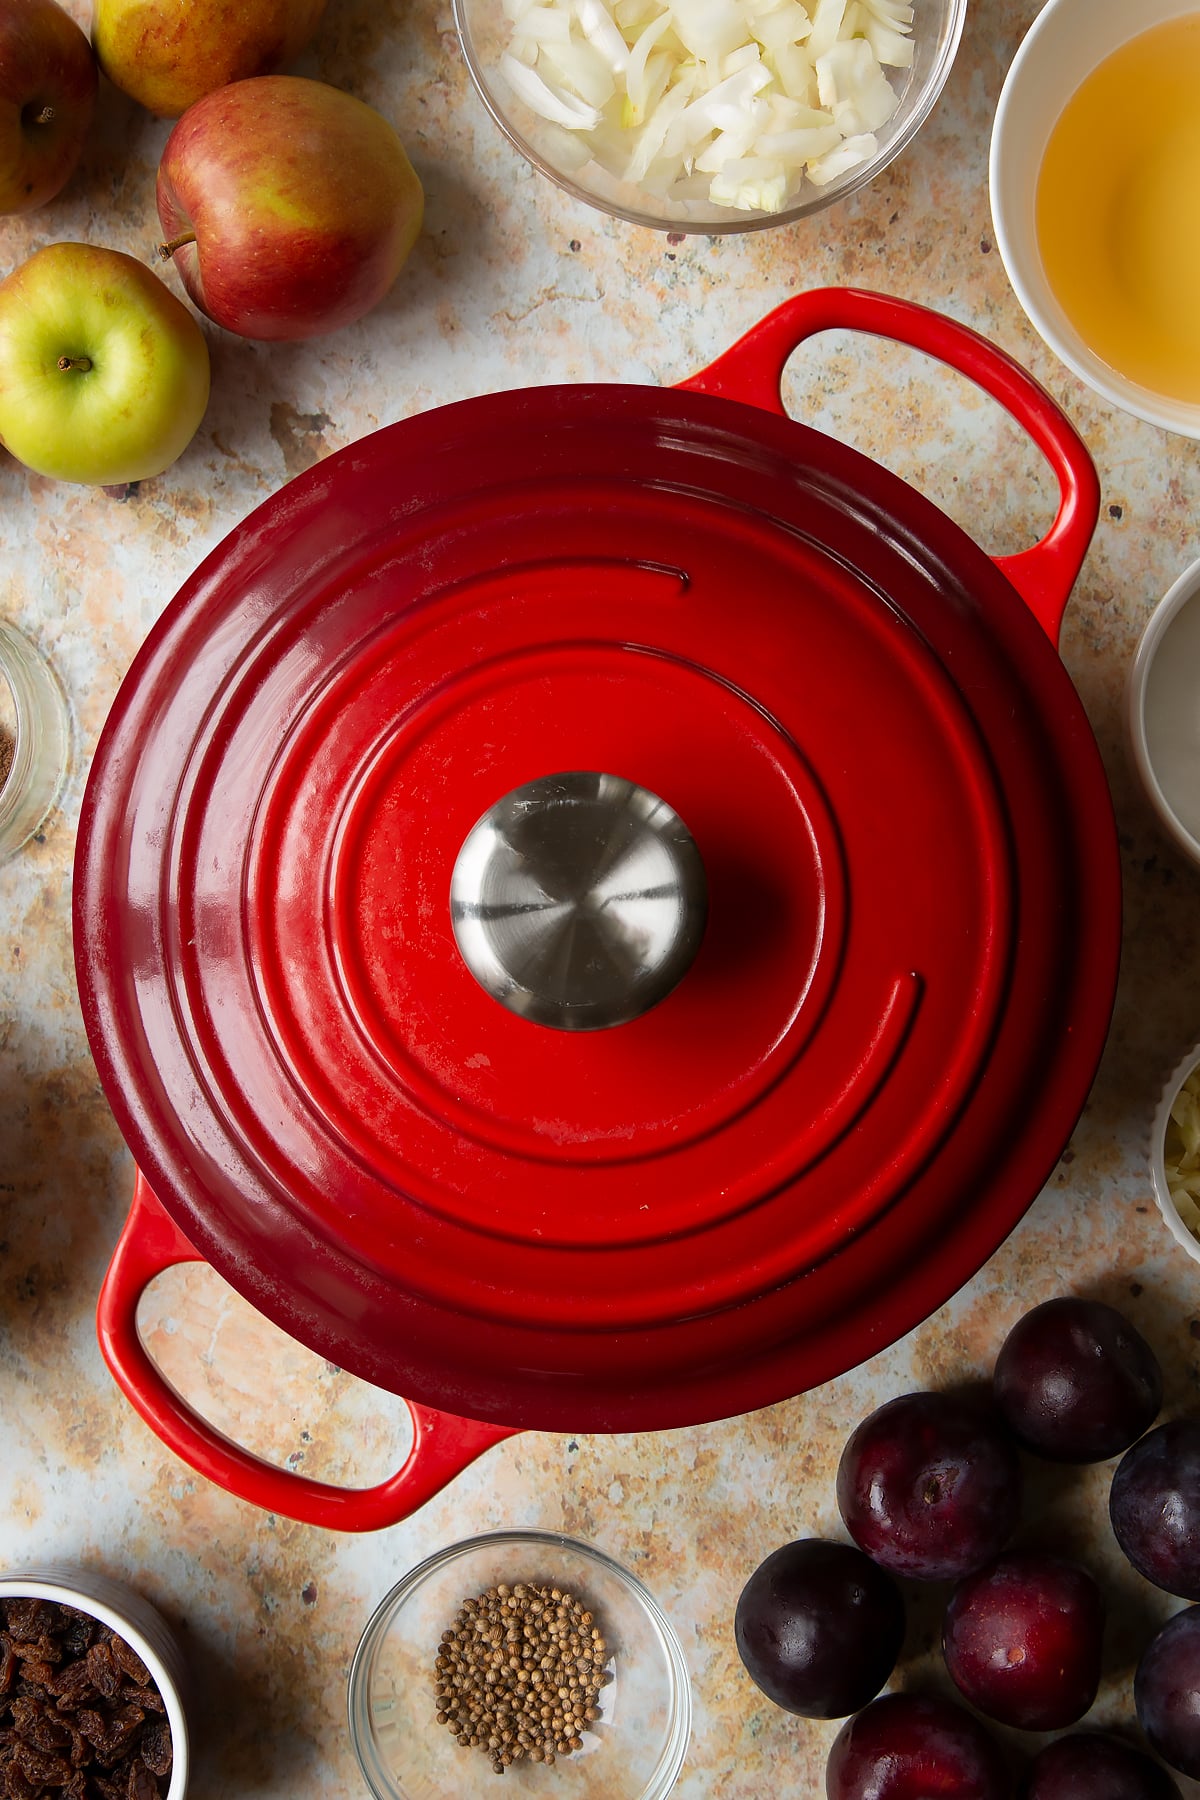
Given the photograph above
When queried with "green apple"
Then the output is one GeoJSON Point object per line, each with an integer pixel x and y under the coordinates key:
{"type": "Point", "coordinates": [167, 53]}
{"type": "Point", "coordinates": [104, 373]}
{"type": "Point", "coordinates": [48, 85]}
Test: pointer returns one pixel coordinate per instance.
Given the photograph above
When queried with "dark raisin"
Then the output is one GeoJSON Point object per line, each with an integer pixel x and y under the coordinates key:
{"type": "Point", "coordinates": [39, 1724]}
{"type": "Point", "coordinates": [44, 1768]}
{"type": "Point", "coordinates": [26, 1618]}
{"type": "Point", "coordinates": [131, 1663]}
{"type": "Point", "coordinates": [72, 1686]}
{"type": "Point", "coordinates": [142, 1785]}
{"type": "Point", "coordinates": [104, 1670]}
{"type": "Point", "coordinates": [77, 1630]}
{"type": "Point", "coordinates": [112, 1734]}
{"type": "Point", "coordinates": [43, 1649]}
{"type": "Point", "coordinates": [155, 1746]}
{"type": "Point", "coordinates": [80, 1751]}
{"type": "Point", "coordinates": [17, 1786]}
{"type": "Point", "coordinates": [35, 1676]}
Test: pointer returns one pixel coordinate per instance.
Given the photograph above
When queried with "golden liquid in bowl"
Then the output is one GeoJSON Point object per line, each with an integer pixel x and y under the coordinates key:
{"type": "Point", "coordinates": [1118, 209]}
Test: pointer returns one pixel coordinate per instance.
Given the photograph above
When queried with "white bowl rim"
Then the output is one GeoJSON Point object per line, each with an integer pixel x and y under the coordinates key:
{"type": "Point", "coordinates": [70, 1586]}
{"type": "Point", "coordinates": [1158, 1168]}
{"type": "Point", "coordinates": [1012, 239]}
{"type": "Point", "coordinates": [679, 1738]}
{"type": "Point", "coordinates": [1185, 588]}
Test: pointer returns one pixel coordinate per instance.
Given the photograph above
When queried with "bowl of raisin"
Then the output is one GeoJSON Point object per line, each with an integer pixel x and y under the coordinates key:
{"type": "Point", "coordinates": [91, 1686]}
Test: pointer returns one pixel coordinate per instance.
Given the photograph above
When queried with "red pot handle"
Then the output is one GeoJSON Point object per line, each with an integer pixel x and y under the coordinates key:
{"type": "Point", "coordinates": [752, 370]}
{"type": "Point", "coordinates": [443, 1444]}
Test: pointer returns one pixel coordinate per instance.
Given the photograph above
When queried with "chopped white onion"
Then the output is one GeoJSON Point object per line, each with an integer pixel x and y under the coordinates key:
{"type": "Point", "coordinates": [541, 25]}
{"type": "Point", "coordinates": [559, 108]}
{"type": "Point", "coordinates": [599, 27]}
{"type": "Point", "coordinates": [847, 156]}
{"type": "Point", "coordinates": [735, 101]}
{"type": "Point", "coordinates": [708, 29]}
{"type": "Point", "coordinates": [826, 27]}
{"type": "Point", "coordinates": [578, 70]}
{"type": "Point", "coordinates": [642, 80]}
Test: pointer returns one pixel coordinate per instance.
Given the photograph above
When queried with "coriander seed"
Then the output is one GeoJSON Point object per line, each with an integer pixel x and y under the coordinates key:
{"type": "Point", "coordinates": [519, 1672]}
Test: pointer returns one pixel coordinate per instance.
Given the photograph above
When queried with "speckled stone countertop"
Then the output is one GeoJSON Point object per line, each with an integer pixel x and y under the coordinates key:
{"type": "Point", "coordinates": [513, 283]}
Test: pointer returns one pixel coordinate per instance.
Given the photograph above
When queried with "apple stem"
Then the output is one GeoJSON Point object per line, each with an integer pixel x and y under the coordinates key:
{"type": "Point", "coordinates": [45, 116]}
{"type": "Point", "coordinates": [167, 251]}
{"type": "Point", "coordinates": [82, 363]}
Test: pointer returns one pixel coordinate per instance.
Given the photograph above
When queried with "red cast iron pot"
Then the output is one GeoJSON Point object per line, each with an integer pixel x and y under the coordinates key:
{"type": "Point", "coordinates": [867, 1073]}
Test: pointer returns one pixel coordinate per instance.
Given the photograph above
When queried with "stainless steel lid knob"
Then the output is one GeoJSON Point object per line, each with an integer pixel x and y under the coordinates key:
{"type": "Point", "coordinates": [579, 900]}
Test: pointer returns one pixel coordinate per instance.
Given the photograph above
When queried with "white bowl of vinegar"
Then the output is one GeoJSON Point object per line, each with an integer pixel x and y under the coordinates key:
{"type": "Point", "coordinates": [1094, 172]}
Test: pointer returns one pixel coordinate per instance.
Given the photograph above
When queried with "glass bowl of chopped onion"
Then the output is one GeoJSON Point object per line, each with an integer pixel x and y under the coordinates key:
{"type": "Point", "coordinates": [710, 115]}
{"type": "Point", "coordinates": [524, 1654]}
{"type": "Point", "coordinates": [1175, 1154]}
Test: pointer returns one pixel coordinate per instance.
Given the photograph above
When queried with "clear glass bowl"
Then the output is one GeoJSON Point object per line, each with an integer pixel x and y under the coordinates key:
{"type": "Point", "coordinates": [1184, 1233]}
{"type": "Point", "coordinates": [34, 739]}
{"type": "Point", "coordinates": [633, 1752]}
{"type": "Point", "coordinates": [484, 30]}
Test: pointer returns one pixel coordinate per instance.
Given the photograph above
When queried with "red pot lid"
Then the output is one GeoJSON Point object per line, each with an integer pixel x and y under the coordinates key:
{"type": "Point", "coordinates": [861, 1081]}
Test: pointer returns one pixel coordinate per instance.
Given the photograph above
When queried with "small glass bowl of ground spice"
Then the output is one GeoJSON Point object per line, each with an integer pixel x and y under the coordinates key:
{"type": "Point", "coordinates": [520, 1661]}
{"type": "Point", "coordinates": [91, 1686]}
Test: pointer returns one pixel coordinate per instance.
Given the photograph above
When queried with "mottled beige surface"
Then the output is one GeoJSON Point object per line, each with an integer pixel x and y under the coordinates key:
{"type": "Point", "coordinates": [511, 283]}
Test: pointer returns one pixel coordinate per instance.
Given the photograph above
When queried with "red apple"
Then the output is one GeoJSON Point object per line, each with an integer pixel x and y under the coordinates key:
{"type": "Point", "coordinates": [288, 206]}
{"type": "Point", "coordinates": [167, 53]}
{"type": "Point", "coordinates": [48, 86]}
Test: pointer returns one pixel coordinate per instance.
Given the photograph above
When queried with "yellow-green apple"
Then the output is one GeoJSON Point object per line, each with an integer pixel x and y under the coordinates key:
{"type": "Point", "coordinates": [104, 372]}
{"type": "Point", "coordinates": [168, 53]}
{"type": "Point", "coordinates": [47, 97]}
{"type": "Point", "coordinates": [288, 206]}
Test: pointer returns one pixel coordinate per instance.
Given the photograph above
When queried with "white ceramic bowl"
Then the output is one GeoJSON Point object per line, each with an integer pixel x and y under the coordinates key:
{"type": "Point", "coordinates": [1184, 1237]}
{"type": "Point", "coordinates": [634, 1752]}
{"type": "Point", "coordinates": [1162, 712]}
{"type": "Point", "coordinates": [132, 1618]}
{"type": "Point", "coordinates": [484, 32]}
{"type": "Point", "coordinates": [1068, 39]}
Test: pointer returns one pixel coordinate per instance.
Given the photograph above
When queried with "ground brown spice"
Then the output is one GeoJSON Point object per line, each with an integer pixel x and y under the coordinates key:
{"type": "Point", "coordinates": [519, 1672]}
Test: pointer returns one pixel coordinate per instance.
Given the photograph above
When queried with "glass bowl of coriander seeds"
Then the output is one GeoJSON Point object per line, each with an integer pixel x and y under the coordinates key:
{"type": "Point", "coordinates": [523, 1655]}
